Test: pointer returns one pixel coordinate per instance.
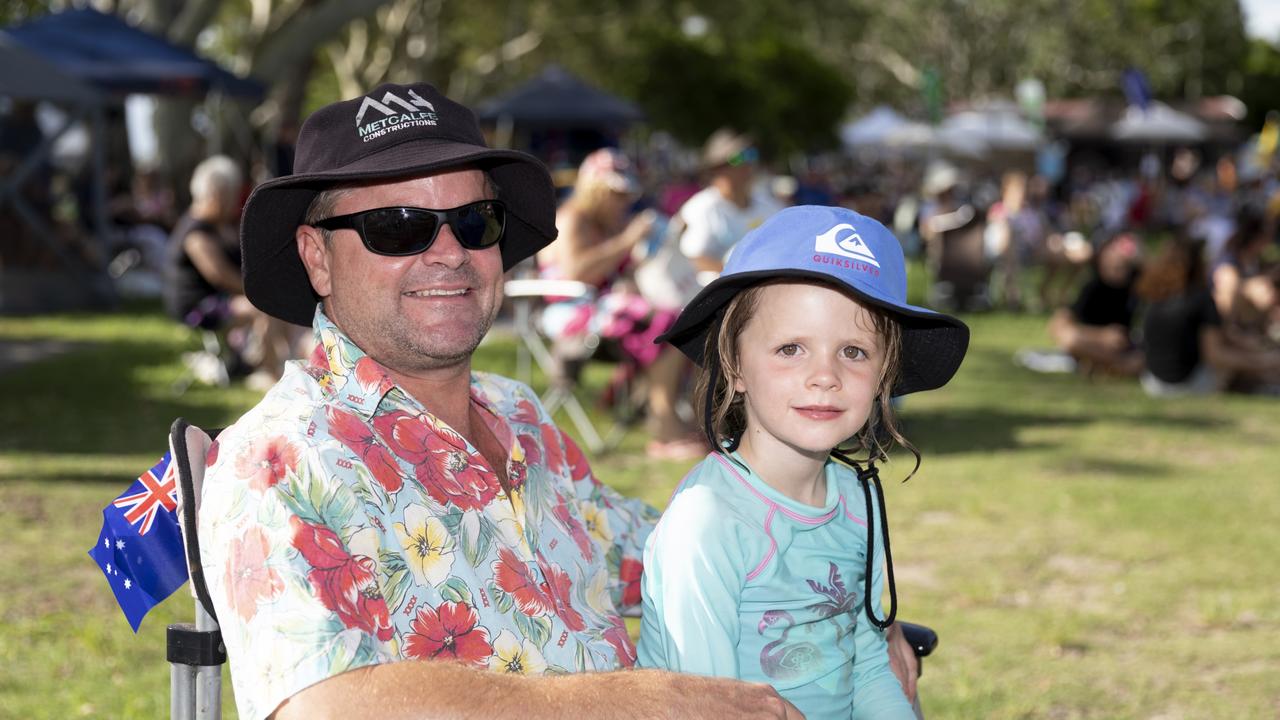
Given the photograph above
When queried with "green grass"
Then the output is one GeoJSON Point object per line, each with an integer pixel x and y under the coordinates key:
{"type": "Point", "coordinates": [1083, 551]}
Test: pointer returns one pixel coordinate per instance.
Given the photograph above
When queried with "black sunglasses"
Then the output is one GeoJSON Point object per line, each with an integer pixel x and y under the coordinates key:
{"type": "Point", "coordinates": [400, 231]}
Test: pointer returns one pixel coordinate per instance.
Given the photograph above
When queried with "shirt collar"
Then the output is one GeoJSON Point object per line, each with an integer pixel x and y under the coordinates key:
{"type": "Point", "coordinates": [347, 375]}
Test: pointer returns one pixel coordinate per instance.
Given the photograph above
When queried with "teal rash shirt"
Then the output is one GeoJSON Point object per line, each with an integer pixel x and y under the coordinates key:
{"type": "Point", "coordinates": [741, 581]}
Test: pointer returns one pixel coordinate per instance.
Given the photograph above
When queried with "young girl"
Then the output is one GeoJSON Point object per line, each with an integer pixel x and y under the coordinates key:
{"type": "Point", "coordinates": [766, 564]}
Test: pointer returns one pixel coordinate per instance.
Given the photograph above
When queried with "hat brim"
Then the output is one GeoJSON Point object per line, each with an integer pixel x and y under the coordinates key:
{"type": "Point", "coordinates": [933, 344]}
{"type": "Point", "coordinates": [275, 280]}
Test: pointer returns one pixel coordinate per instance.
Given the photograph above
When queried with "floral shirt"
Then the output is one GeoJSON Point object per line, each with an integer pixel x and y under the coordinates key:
{"type": "Point", "coordinates": [343, 525]}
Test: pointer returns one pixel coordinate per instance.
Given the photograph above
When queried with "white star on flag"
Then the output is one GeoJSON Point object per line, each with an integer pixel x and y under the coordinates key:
{"type": "Point", "coordinates": [106, 543]}
{"type": "Point", "coordinates": [119, 544]}
{"type": "Point", "coordinates": [128, 583]}
{"type": "Point", "coordinates": [108, 568]}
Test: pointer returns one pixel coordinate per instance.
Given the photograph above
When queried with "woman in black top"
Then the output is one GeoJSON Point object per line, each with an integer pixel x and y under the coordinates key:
{"type": "Point", "coordinates": [203, 287]}
{"type": "Point", "coordinates": [1097, 329]}
{"type": "Point", "coordinates": [1187, 352]}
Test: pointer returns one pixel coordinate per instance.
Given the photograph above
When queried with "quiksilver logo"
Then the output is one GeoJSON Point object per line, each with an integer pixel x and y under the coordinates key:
{"type": "Point", "coordinates": [845, 241]}
{"type": "Point", "coordinates": [397, 113]}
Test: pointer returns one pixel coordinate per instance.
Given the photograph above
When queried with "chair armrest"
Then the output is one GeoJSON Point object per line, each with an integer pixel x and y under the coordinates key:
{"type": "Point", "coordinates": [538, 287]}
{"type": "Point", "coordinates": [923, 640]}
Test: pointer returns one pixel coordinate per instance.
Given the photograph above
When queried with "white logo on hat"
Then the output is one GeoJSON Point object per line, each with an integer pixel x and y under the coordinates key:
{"type": "Point", "coordinates": [414, 102]}
{"type": "Point", "coordinates": [415, 112]}
{"type": "Point", "coordinates": [850, 246]}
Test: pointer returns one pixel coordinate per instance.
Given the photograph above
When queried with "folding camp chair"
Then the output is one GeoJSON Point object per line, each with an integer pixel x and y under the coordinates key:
{"type": "Point", "coordinates": [207, 365]}
{"type": "Point", "coordinates": [195, 651]}
{"type": "Point", "coordinates": [526, 295]}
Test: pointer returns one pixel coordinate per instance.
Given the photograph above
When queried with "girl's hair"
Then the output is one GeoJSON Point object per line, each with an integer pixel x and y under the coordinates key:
{"type": "Point", "coordinates": [1178, 267]}
{"type": "Point", "coordinates": [726, 416]}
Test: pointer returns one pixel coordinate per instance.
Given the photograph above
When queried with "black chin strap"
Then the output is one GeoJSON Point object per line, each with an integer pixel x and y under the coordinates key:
{"type": "Point", "coordinates": [868, 477]}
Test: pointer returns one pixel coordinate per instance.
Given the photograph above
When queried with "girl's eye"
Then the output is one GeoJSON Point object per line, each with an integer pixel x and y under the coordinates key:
{"type": "Point", "coordinates": [853, 352]}
{"type": "Point", "coordinates": [789, 350]}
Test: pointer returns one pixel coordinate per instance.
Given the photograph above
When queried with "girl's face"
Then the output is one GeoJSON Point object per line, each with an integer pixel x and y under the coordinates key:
{"type": "Point", "coordinates": [809, 363]}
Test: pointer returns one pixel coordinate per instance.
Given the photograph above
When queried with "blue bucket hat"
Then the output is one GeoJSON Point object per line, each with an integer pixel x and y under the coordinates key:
{"type": "Point", "coordinates": [843, 249]}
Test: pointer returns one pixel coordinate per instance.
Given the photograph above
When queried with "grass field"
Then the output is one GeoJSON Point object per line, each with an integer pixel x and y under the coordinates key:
{"type": "Point", "coordinates": [1083, 551]}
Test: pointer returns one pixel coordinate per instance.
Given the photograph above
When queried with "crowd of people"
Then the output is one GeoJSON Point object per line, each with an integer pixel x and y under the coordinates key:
{"type": "Point", "coordinates": [1086, 249]}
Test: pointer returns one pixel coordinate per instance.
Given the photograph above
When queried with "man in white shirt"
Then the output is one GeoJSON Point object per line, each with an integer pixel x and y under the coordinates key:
{"type": "Point", "coordinates": [717, 217]}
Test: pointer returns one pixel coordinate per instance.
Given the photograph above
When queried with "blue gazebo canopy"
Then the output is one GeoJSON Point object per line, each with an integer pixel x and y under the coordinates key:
{"type": "Point", "coordinates": [557, 98]}
{"type": "Point", "coordinates": [107, 52]}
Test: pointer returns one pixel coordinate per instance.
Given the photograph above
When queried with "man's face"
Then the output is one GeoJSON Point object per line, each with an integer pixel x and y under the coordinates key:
{"type": "Point", "coordinates": [413, 313]}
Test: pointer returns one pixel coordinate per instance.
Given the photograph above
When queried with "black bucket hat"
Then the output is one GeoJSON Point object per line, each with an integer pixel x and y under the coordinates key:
{"type": "Point", "coordinates": [394, 131]}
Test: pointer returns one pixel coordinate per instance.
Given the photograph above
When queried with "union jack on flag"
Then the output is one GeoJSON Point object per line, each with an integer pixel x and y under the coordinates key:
{"type": "Point", "coordinates": [159, 490]}
{"type": "Point", "coordinates": [140, 548]}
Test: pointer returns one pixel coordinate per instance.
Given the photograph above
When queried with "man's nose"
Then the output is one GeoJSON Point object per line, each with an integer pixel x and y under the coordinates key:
{"type": "Point", "coordinates": [446, 250]}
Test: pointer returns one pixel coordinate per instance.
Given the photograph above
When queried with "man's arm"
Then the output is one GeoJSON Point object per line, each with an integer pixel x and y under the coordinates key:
{"type": "Point", "coordinates": [445, 691]}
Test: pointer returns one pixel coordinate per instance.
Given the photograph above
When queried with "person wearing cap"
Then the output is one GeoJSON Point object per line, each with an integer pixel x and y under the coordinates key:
{"type": "Point", "coordinates": [388, 533]}
{"type": "Point", "coordinates": [597, 236]}
{"type": "Point", "coordinates": [717, 217]}
{"type": "Point", "coordinates": [766, 565]}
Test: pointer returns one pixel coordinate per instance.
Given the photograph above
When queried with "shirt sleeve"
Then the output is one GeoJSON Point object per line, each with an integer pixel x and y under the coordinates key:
{"type": "Point", "coordinates": [622, 525]}
{"type": "Point", "coordinates": [877, 694]}
{"type": "Point", "coordinates": [701, 232]}
{"type": "Point", "coordinates": [287, 557]}
{"type": "Point", "coordinates": [692, 589]}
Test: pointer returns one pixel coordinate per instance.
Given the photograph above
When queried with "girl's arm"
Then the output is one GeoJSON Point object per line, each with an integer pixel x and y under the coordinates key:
{"type": "Point", "coordinates": [693, 579]}
{"type": "Point", "coordinates": [877, 694]}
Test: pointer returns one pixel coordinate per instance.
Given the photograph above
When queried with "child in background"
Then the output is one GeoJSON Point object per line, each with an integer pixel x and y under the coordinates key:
{"type": "Point", "coordinates": [766, 564]}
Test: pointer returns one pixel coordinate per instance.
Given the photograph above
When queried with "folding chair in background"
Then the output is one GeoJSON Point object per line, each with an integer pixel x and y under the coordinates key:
{"type": "Point", "coordinates": [562, 369]}
{"type": "Point", "coordinates": [195, 651]}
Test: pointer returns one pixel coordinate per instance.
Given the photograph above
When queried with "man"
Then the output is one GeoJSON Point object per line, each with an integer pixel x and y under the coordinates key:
{"type": "Point", "coordinates": [389, 534]}
{"type": "Point", "coordinates": [717, 217]}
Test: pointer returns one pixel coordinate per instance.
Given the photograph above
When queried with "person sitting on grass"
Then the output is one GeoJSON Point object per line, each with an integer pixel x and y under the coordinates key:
{"type": "Point", "coordinates": [766, 564]}
{"type": "Point", "coordinates": [1097, 330]}
{"type": "Point", "coordinates": [1187, 352]}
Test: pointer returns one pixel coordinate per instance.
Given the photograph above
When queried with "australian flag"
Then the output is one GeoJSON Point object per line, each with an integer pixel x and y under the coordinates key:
{"type": "Point", "coordinates": [140, 547]}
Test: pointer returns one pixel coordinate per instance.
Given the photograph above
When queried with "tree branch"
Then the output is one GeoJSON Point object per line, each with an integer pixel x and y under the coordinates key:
{"type": "Point", "coordinates": [298, 37]}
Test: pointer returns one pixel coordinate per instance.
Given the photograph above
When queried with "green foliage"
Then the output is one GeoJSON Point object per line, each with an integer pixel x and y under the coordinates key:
{"type": "Point", "coordinates": [1261, 81]}
{"type": "Point", "coordinates": [770, 86]}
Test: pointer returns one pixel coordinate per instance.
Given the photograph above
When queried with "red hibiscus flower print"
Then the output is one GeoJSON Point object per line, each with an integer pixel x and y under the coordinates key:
{"type": "Point", "coordinates": [516, 579]}
{"type": "Point", "coordinates": [345, 583]}
{"type": "Point", "coordinates": [558, 588]}
{"type": "Point", "coordinates": [359, 439]}
{"type": "Point", "coordinates": [629, 572]}
{"type": "Point", "coordinates": [574, 526]}
{"type": "Point", "coordinates": [407, 435]}
{"type": "Point", "coordinates": [371, 377]}
{"type": "Point", "coordinates": [264, 462]}
{"type": "Point", "coordinates": [451, 478]}
{"type": "Point", "coordinates": [579, 468]}
{"type": "Point", "coordinates": [249, 578]}
{"type": "Point", "coordinates": [449, 632]}
{"type": "Point", "coordinates": [555, 456]}
{"type": "Point", "coordinates": [616, 635]}
{"type": "Point", "coordinates": [526, 413]}
{"type": "Point", "coordinates": [532, 448]}
{"type": "Point", "coordinates": [517, 473]}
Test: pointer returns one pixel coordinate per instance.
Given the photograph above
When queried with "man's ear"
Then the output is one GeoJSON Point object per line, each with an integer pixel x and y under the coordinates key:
{"type": "Point", "coordinates": [314, 252]}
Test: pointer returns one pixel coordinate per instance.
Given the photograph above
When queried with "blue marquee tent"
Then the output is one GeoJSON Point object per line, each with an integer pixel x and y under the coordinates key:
{"type": "Point", "coordinates": [107, 52]}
